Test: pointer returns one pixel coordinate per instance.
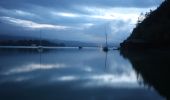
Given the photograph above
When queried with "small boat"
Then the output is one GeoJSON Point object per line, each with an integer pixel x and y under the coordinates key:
{"type": "Point", "coordinates": [40, 47]}
{"type": "Point", "coordinates": [80, 47]}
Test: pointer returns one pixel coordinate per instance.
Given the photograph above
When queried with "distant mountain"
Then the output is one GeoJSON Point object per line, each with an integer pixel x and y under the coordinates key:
{"type": "Point", "coordinates": [66, 43]}
{"type": "Point", "coordinates": [25, 39]}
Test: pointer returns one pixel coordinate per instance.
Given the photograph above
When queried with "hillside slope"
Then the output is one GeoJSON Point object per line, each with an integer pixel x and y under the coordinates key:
{"type": "Point", "coordinates": [153, 31]}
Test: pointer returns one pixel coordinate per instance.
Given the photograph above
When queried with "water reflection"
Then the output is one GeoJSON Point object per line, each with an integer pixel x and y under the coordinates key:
{"type": "Point", "coordinates": [153, 67]}
{"type": "Point", "coordinates": [86, 74]}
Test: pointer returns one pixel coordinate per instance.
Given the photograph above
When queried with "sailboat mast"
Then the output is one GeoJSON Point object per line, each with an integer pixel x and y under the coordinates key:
{"type": "Point", "coordinates": [106, 35]}
{"type": "Point", "coordinates": [105, 48]}
{"type": "Point", "coordinates": [106, 39]}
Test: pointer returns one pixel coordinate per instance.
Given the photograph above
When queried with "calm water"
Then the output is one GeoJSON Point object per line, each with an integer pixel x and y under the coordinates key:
{"type": "Point", "coordinates": [70, 74]}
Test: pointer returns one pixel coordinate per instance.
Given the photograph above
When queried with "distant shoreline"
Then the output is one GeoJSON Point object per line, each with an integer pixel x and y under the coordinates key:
{"type": "Point", "coordinates": [36, 47]}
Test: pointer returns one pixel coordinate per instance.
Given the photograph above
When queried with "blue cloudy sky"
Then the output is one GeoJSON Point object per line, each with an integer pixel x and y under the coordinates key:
{"type": "Point", "coordinates": [80, 20]}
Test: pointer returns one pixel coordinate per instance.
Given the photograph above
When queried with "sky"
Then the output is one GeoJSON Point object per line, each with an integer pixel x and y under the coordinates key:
{"type": "Point", "coordinates": [75, 20]}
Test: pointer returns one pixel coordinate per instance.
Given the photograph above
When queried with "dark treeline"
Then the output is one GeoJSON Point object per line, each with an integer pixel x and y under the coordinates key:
{"type": "Point", "coordinates": [28, 43]}
{"type": "Point", "coordinates": [147, 48]}
{"type": "Point", "coordinates": [152, 29]}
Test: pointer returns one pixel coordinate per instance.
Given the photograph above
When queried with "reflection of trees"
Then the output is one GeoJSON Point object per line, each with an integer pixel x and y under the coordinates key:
{"type": "Point", "coordinates": [153, 66]}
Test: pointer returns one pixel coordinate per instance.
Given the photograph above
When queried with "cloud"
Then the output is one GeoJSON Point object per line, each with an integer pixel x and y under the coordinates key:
{"type": "Point", "coordinates": [82, 20]}
{"type": "Point", "coordinates": [30, 24]}
{"type": "Point", "coordinates": [64, 14]}
{"type": "Point", "coordinates": [23, 13]}
{"type": "Point", "coordinates": [15, 12]}
{"type": "Point", "coordinates": [69, 4]}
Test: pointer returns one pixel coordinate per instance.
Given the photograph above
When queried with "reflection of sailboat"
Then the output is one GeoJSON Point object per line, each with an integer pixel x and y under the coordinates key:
{"type": "Point", "coordinates": [105, 48]}
{"type": "Point", "coordinates": [106, 61]}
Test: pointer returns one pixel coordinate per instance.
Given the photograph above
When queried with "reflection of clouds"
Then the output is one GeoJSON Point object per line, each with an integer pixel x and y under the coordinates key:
{"type": "Point", "coordinates": [117, 64]}
{"type": "Point", "coordinates": [97, 80]}
{"type": "Point", "coordinates": [124, 80]}
{"type": "Point", "coordinates": [120, 68]}
{"type": "Point", "coordinates": [83, 69]}
{"type": "Point", "coordinates": [33, 67]}
{"type": "Point", "coordinates": [88, 69]}
{"type": "Point", "coordinates": [111, 78]}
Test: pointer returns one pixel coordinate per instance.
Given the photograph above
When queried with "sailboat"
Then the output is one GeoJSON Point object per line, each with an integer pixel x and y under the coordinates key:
{"type": "Point", "coordinates": [40, 47]}
{"type": "Point", "coordinates": [105, 48]}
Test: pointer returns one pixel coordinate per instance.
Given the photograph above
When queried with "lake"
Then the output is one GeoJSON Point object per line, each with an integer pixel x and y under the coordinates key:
{"type": "Point", "coordinates": [71, 74]}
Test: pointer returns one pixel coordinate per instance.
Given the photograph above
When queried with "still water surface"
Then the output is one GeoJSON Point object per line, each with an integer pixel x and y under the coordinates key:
{"type": "Point", "coordinates": [70, 74]}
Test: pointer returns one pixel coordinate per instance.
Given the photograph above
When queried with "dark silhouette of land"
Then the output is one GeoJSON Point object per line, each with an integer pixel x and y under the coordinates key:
{"type": "Point", "coordinates": [151, 31]}
{"type": "Point", "coordinates": [148, 47]}
{"type": "Point", "coordinates": [28, 43]}
{"type": "Point", "coordinates": [11, 40]}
